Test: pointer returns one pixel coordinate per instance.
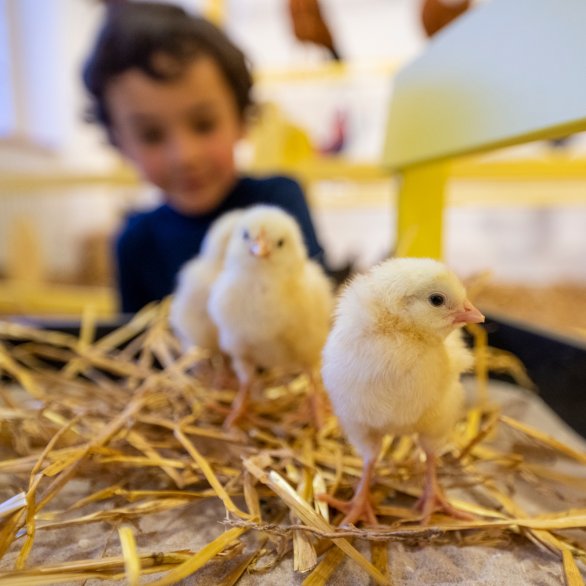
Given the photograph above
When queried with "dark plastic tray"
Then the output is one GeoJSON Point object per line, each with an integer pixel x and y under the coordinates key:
{"type": "Point", "coordinates": [555, 363]}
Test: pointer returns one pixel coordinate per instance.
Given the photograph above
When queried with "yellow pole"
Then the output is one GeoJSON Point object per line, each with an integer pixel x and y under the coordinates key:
{"type": "Point", "coordinates": [215, 11]}
{"type": "Point", "coordinates": [420, 210]}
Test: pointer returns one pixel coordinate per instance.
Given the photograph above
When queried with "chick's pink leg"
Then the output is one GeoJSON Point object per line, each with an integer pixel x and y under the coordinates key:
{"type": "Point", "coordinates": [317, 400]}
{"type": "Point", "coordinates": [360, 507]}
{"type": "Point", "coordinates": [433, 498]}
{"type": "Point", "coordinates": [244, 372]}
{"type": "Point", "coordinates": [223, 375]}
{"type": "Point", "coordinates": [315, 407]}
{"type": "Point", "coordinates": [239, 406]}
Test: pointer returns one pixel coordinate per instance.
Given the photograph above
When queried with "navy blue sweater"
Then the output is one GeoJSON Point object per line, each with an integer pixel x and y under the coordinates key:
{"type": "Point", "coordinates": [154, 245]}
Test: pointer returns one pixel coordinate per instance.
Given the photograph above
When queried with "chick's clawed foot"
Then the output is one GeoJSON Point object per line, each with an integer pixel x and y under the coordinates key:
{"type": "Point", "coordinates": [433, 499]}
{"type": "Point", "coordinates": [358, 509]}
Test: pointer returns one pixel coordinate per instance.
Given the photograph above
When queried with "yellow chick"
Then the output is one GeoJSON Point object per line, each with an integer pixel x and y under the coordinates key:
{"type": "Point", "coordinates": [188, 314]}
{"type": "Point", "coordinates": [392, 365]}
{"type": "Point", "coordinates": [271, 304]}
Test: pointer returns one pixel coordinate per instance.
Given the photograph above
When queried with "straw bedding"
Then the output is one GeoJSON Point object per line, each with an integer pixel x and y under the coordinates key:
{"type": "Point", "coordinates": [115, 467]}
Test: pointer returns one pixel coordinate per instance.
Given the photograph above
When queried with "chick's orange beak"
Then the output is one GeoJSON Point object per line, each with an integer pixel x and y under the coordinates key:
{"type": "Point", "coordinates": [468, 315]}
{"type": "Point", "coordinates": [260, 246]}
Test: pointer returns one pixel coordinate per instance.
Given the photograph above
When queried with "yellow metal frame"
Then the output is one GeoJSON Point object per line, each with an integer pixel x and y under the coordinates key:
{"type": "Point", "coordinates": [215, 11]}
{"type": "Point", "coordinates": [422, 196]}
{"type": "Point", "coordinates": [422, 192]}
{"type": "Point", "coordinates": [23, 298]}
{"type": "Point", "coordinates": [474, 90]}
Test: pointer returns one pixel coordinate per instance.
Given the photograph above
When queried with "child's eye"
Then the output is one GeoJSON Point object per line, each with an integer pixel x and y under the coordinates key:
{"type": "Point", "coordinates": [150, 135]}
{"type": "Point", "coordinates": [203, 126]}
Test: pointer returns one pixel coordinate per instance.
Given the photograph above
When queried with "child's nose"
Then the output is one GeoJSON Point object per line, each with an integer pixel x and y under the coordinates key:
{"type": "Point", "coordinates": [183, 148]}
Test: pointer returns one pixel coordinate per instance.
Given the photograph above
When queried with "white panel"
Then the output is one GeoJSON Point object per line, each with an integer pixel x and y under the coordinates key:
{"type": "Point", "coordinates": [502, 71]}
{"type": "Point", "coordinates": [7, 115]}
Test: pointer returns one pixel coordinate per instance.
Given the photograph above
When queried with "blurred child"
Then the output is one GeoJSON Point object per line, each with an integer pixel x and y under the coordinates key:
{"type": "Point", "coordinates": [174, 93]}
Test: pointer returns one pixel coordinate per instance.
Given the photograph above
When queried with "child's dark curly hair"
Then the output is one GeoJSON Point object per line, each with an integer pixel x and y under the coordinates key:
{"type": "Point", "coordinates": [159, 40]}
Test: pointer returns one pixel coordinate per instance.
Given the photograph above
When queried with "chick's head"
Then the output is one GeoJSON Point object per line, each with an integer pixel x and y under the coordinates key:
{"type": "Point", "coordinates": [218, 236]}
{"type": "Point", "coordinates": [425, 295]}
{"type": "Point", "coordinates": [266, 236]}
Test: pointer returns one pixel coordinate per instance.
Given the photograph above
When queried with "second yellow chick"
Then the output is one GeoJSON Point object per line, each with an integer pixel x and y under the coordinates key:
{"type": "Point", "coordinates": [271, 303]}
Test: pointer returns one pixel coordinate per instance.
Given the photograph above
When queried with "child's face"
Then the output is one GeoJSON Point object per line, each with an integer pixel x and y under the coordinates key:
{"type": "Point", "coordinates": [181, 133]}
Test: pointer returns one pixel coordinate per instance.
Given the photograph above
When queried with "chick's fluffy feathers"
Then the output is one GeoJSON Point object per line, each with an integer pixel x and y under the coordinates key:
{"type": "Point", "coordinates": [188, 313]}
{"type": "Point", "coordinates": [272, 311]}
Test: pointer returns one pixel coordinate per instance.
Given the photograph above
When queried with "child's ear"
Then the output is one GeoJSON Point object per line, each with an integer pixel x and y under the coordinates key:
{"type": "Point", "coordinates": [117, 142]}
{"type": "Point", "coordinates": [243, 130]}
{"type": "Point", "coordinates": [248, 119]}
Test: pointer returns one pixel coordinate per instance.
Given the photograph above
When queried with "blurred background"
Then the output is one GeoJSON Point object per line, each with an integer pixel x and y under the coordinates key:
{"type": "Point", "coordinates": [515, 220]}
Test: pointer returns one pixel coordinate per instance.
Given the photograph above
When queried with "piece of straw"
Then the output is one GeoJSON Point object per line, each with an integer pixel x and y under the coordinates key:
{"type": "Point", "coordinates": [130, 555]}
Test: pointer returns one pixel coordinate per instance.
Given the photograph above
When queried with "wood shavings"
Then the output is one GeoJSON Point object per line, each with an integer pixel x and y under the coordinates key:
{"type": "Point", "coordinates": [138, 426]}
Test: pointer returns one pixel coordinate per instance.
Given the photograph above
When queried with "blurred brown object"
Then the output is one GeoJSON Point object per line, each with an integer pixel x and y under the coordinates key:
{"type": "Point", "coordinates": [560, 307]}
{"type": "Point", "coordinates": [435, 14]}
{"type": "Point", "coordinates": [96, 263]}
{"type": "Point", "coordinates": [309, 25]}
{"type": "Point", "coordinates": [25, 262]}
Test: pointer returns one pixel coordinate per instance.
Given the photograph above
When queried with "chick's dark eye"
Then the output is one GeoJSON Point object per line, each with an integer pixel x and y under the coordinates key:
{"type": "Point", "coordinates": [281, 242]}
{"type": "Point", "coordinates": [245, 235]}
{"type": "Point", "coordinates": [437, 299]}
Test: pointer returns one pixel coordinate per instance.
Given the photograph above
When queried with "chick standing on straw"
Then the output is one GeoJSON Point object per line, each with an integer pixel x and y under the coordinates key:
{"type": "Point", "coordinates": [188, 313]}
{"type": "Point", "coordinates": [271, 304]}
{"type": "Point", "coordinates": [392, 365]}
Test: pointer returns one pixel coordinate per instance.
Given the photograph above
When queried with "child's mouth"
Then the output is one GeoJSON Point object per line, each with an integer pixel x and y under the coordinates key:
{"type": "Point", "coordinates": [192, 184]}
